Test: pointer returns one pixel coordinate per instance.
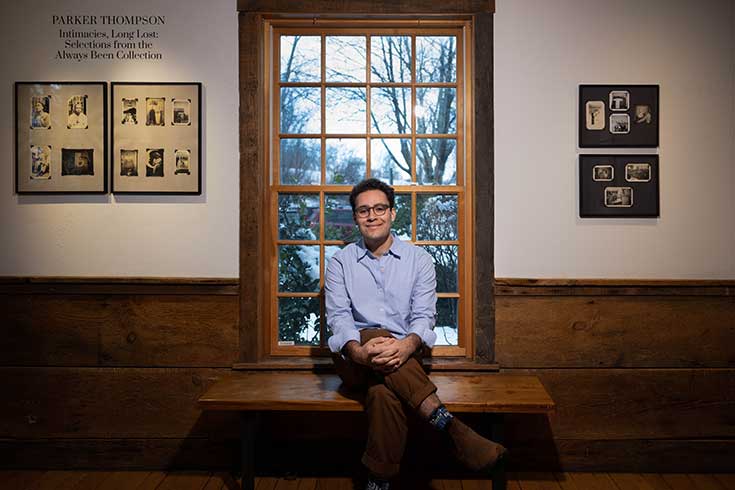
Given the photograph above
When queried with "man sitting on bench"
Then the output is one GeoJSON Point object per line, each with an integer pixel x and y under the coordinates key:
{"type": "Point", "coordinates": [381, 304]}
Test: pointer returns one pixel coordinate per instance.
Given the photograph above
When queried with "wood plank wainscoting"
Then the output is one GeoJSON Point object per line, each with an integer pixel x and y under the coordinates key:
{"type": "Point", "coordinates": [105, 373]}
{"type": "Point", "coordinates": [642, 372]}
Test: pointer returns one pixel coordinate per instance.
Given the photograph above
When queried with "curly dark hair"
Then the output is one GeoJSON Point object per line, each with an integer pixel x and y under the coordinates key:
{"type": "Point", "coordinates": [369, 185]}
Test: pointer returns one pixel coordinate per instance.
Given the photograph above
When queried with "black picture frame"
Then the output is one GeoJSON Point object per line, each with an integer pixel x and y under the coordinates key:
{"type": "Point", "coordinates": [169, 136]}
{"type": "Point", "coordinates": [603, 180]}
{"type": "Point", "coordinates": [619, 116]}
{"type": "Point", "coordinates": [57, 149]}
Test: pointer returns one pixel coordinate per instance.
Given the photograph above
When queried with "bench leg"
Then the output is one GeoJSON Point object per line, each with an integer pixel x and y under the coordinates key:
{"type": "Point", "coordinates": [497, 434]}
{"type": "Point", "coordinates": [492, 427]}
{"type": "Point", "coordinates": [247, 455]}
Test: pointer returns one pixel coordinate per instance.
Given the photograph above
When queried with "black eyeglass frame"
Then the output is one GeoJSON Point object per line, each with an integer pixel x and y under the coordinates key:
{"type": "Point", "coordinates": [364, 211]}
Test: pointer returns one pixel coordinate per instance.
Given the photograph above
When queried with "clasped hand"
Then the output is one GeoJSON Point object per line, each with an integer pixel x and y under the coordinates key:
{"type": "Point", "coordinates": [386, 354]}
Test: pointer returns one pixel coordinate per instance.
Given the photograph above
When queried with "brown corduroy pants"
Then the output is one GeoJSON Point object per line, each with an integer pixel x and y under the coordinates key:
{"type": "Point", "coordinates": [384, 404]}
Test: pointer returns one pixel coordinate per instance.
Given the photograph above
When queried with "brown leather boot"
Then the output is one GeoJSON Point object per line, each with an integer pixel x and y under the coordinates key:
{"type": "Point", "coordinates": [472, 450]}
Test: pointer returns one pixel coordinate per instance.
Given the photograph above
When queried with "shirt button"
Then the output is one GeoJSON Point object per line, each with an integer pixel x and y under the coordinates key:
{"type": "Point", "coordinates": [382, 269]}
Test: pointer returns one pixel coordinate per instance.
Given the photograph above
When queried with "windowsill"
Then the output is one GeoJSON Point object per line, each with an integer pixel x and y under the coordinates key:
{"type": "Point", "coordinates": [326, 365]}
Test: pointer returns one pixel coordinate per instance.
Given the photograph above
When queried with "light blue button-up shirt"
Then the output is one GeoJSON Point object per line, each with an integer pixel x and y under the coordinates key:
{"type": "Point", "coordinates": [396, 291]}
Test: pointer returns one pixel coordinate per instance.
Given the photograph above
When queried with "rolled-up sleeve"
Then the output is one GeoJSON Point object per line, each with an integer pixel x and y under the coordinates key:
{"type": "Point", "coordinates": [339, 306]}
{"type": "Point", "coordinates": [423, 300]}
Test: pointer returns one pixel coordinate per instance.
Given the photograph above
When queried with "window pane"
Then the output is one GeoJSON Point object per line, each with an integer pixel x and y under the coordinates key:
{"type": "Point", "coordinates": [346, 159]}
{"type": "Point", "coordinates": [346, 60]}
{"type": "Point", "coordinates": [436, 217]}
{"type": "Point", "coordinates": [300, 110]}
{"type": "Point", "coordinates": [390, 160]}
{"type": "Point", "coordinates": [445, 261]}
{"type": "Point", "coordinates": [390, 110]}
{"type": "Point", "coordinates": [390, 59]}
{"type": "Point", "coordinates": [330, 250]}
{"type": "Point", "coordinates": [339, 224]}
{"type": "Point", "coordinates": [298, 268]}
{"type": "Point", "coordinates": [446, 321]}
{"type": "Point", "coordinates": [298, 321]}
{"type": "Point", "coordinates": [298, 216]}
{"type": "Point", "coordinates": [436, 110]}
{"type": "Point", "coordinates": [346, 110]}
{"type": "Point", "coordinates": [402, 224]}
{"type": "Point", "coordinates": [436, 59]}
{"type": "Point", "coordinates": [436, 161]}
{"type": "Point", "coordinates": [301, 58]}
{"type": "Point", "coordinates": [301, 161]}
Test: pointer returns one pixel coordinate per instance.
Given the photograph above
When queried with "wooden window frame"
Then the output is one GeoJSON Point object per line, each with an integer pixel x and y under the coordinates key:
{"type": "Point", "coordinates": [256, 244]}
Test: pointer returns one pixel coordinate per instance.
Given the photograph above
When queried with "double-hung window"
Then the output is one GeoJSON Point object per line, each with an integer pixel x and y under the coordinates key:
{"type": "Point", "coordinates": [347, 101]}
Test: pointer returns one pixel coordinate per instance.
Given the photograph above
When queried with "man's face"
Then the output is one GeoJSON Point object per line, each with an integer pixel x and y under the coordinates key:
{"type": "Point", "coordinates": [78, 108]}
{"type": "Point", "coordinates": [372, 227]}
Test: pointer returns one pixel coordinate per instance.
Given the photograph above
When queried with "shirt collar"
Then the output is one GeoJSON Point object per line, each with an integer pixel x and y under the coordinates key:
{"type": "Point", "coordinates": [396, 248]}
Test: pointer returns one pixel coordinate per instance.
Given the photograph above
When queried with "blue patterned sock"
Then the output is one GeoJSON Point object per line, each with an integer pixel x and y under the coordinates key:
{"type": "Point", "coordinates": [376, 484]}
{"type": "Point", "coordinates": [440, 418]}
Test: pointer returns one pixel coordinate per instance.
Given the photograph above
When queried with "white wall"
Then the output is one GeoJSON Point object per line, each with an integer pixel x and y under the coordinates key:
{"type": "Point", "coordinates": [159, 236]}
{"type": "Point", "coordinates": [543, 51]}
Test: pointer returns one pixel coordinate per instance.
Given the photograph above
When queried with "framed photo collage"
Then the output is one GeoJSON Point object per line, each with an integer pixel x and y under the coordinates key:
{"type": "Point", "coordinates": [617, 185]}
{"type": "Point", "coordinates": [61, 138]}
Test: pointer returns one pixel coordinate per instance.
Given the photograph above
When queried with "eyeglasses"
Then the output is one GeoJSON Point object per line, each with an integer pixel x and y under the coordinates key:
{"type": "Point", "coordinates": [378, 209]}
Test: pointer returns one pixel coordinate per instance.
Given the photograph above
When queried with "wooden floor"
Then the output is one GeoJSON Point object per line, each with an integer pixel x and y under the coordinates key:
{"type": "Point", "coordinates": [143, 480]}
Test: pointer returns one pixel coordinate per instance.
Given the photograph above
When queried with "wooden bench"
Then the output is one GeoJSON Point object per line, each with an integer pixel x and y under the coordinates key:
{"type": "Point", "coordinates": [261, 391]}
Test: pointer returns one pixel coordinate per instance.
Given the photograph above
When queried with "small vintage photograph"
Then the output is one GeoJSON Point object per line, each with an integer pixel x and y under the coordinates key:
{"type": "Point", "coordinates": [603, 173]}
{"type": "Point", "coordinates": [129, 111]}
{"type": "Point", "coordinates": [595, 111]}
{"type": "Point", "coordinates": [618, 197]}
{"type": "Point", "coordinates": [619, 123]}
{"type": "Point", "coordinates": [40, 107]}
{"type": "Point", "coordinates": [40, 162]}
{"type": "Point", "coordinates": [154, 166]}
{"type": "Point", "coordinates": [182, 111]}
{"type": "Point", "coordinates": [619, 100]}
{"type": "Point", "coordinates": [182, 162]}
{"type": "Point", "coordinates": [129, 163]}
{"type": "Point", "coordinates": [638, 172]}
{"type": "Point", "coordinates": [643, 114]}
{"type": "Point", "coordinates": [155, 110]}
{"type": "Point", "coordinates": [77, 161]}
{"type": "Point", "coordinates": [77, 112]}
